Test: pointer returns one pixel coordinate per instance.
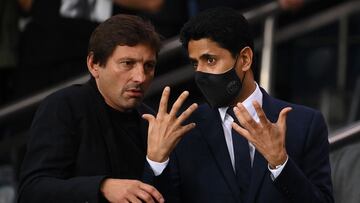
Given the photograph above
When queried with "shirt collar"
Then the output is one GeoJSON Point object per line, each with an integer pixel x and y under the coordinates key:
{"type": "Point", "coordinates": [255, 96]}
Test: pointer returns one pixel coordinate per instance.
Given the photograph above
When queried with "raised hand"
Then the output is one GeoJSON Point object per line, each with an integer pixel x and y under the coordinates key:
{"type": "Point", "coordinates": [166, 130]}
{"type": "Point", "coordinates": [268, 138]}
{"type": "Point", "coordinates": [122, 190]}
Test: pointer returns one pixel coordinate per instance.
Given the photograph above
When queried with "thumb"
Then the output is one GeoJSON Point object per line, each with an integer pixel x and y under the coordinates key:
{"type": "Point", "coordinates": [282, 117]}
{"type": "Point", "coordinates": [148, 117]}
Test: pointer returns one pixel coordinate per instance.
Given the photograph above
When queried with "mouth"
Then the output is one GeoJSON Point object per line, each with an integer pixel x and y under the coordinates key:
{"type": "Point", "coordinates": [135, 92]}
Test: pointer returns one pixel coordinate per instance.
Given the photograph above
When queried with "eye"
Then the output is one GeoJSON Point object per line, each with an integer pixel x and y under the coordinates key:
{"type": "Point", "coordinates": [149, 66]}
{"type": "Point", "coordinates": [127, 63]}
{"type": "Point", "coordinates": [211, 61]}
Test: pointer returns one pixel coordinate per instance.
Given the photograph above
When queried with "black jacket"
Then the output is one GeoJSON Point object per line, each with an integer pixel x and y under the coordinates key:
{"type": "Point", "coordinates": [71, 149]}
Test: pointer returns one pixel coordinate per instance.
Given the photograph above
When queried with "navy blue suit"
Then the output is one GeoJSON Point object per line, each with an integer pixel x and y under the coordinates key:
{"type": "Point", "coordinates": [200, 169]}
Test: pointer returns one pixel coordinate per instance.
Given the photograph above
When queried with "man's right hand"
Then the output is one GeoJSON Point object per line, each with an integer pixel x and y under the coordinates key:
{"type": "Point", "coordinates": [166, 129]}
{"type": "Point", "coordinates": [134, 191]}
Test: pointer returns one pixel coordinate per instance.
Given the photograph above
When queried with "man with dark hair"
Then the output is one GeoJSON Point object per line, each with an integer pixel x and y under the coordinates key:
{"type": "Point", "coordinates": [271, 151]}
{"type": "Point", "coordinates": [88, 142]}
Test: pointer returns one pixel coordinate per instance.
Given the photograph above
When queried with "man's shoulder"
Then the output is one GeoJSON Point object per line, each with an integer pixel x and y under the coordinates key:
{"type": "Point", "coordinates": [65, 105]}
{"type": "Point", "coordinates": [277, 104]}
{"type": "Point", "coordinates": [300, 115]}
{"type": "Point", "coordinates": [74, 96]}
{"type": "Point", "coordinates": [280, 104]}
{"type": "Point", "coordinates": [74, 92]}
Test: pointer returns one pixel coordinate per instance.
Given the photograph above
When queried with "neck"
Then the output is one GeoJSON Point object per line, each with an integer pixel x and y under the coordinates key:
{"type": "Point", "coordinates": [248, 87]}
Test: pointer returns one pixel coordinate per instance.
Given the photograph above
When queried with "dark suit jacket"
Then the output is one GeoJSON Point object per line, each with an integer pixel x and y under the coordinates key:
{"type": "Point", "coordinates": [200, 169]}
{"type": "Point", "coordinates": [71, 149]}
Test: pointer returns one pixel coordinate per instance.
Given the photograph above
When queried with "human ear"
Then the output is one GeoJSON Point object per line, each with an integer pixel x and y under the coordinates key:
{"type": "Point", "coordinates": [246, 58]}
{"type": "Point", "coordinates": [92, 67]}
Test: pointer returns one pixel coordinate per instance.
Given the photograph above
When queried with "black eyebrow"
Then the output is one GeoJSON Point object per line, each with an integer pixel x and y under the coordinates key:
{"type": "Point", "coordinates": [202, 57]}
{"type": "Point", "coordinates": [207, 56]}
{"type": "Point", "coordinates": [135, 60]}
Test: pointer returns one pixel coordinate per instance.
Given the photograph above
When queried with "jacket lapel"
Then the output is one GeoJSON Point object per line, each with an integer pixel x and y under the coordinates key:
{"type": "Point", "coordinates": [213, 133]}
{"type": "Point", "coordinates": [257, 175]}
{"type": "Point", "coordinates": [260, 164]}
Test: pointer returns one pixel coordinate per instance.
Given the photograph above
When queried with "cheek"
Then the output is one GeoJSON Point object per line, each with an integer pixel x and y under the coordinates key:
{"type": "Point", "coordinates": [150, 76]}
{"type": "Point", "coordinates": [149, 79]}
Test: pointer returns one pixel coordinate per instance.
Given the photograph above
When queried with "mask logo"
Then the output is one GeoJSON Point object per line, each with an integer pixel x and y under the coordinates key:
{"type": "Point", "coordinates": [233, 87]}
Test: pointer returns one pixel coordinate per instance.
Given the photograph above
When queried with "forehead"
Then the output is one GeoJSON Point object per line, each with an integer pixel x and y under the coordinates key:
{"type": "Point", "coordinates": [139, 51]}
{"type": "Point", "coordinates": [198, 48]}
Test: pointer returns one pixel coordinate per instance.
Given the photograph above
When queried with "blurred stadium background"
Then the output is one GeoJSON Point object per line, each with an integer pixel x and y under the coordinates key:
{"type": "Point", "coordinates": [308, 54]}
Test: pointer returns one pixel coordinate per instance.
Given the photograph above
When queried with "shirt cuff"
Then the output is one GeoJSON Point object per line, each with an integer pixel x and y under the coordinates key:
{"type": "Point", "coordinates": [157, 167]}
{"type": "Point", "coordinates": [276, 172]}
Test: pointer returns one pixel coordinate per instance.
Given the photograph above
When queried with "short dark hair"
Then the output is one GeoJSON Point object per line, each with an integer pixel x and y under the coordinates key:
{"type": "Point", "coordinates": [124, 30]}
{"type": "Point", "coordinates": [225, 26]}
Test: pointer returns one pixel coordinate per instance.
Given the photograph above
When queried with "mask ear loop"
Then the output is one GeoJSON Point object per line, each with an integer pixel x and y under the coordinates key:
{"type": "Point", "coordinates": [236, 60]}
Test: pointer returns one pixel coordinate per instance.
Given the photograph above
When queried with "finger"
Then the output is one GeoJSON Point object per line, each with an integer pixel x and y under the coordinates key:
{"type": "Point", "coordinates": [164, 101]}
{"type": "Point", "coordinates": [259, 111]}
{"type": "Point", "coordinates": [148, 117]}
{"type": "Point", "coordinates": [133, 199]}
{"type": "Point", "coordinates": [152, 191]}
{"type": "Point", "coordinates": [184, 129]}
{"type": "Point", "coordinates": [178, 103]}
{"type": "Point", "coordinates": [242, 131]}
{"type": "Point", "coordinates": [239, 116]}
{"type": "Point", "coordinates": [282, 117]}
{"type": "Point", "coordinates": [186, 114]}
{"type": "Point", "coordinates": [143, 195]}
{"type": "Point", "coordinates": [244, 117]}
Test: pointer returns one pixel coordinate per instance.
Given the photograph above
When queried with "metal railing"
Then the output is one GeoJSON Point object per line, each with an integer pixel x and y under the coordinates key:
{"type": "Point", "coordinates": [344, 136]}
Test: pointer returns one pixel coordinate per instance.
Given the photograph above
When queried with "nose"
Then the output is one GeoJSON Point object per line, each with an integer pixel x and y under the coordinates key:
{"type": "Point", "coordinates": [200, 67]}
{"type": "Point", "coordinates": [139, 74]}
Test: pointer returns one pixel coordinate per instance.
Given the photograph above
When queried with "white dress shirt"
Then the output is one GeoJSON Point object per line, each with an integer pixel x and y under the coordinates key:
{"type": "Point", "coordinates": [226, 121]}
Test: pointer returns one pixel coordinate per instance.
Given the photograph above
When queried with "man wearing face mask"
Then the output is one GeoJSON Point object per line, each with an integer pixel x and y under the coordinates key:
{"type": "Point", "coordinates": [271, 151]}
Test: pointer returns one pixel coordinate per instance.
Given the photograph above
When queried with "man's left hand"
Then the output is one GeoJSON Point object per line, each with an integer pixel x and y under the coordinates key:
{"type": "Point", "coordinates": [166, 129]}
{"type": "Point", "coordinates": [268, 138]}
